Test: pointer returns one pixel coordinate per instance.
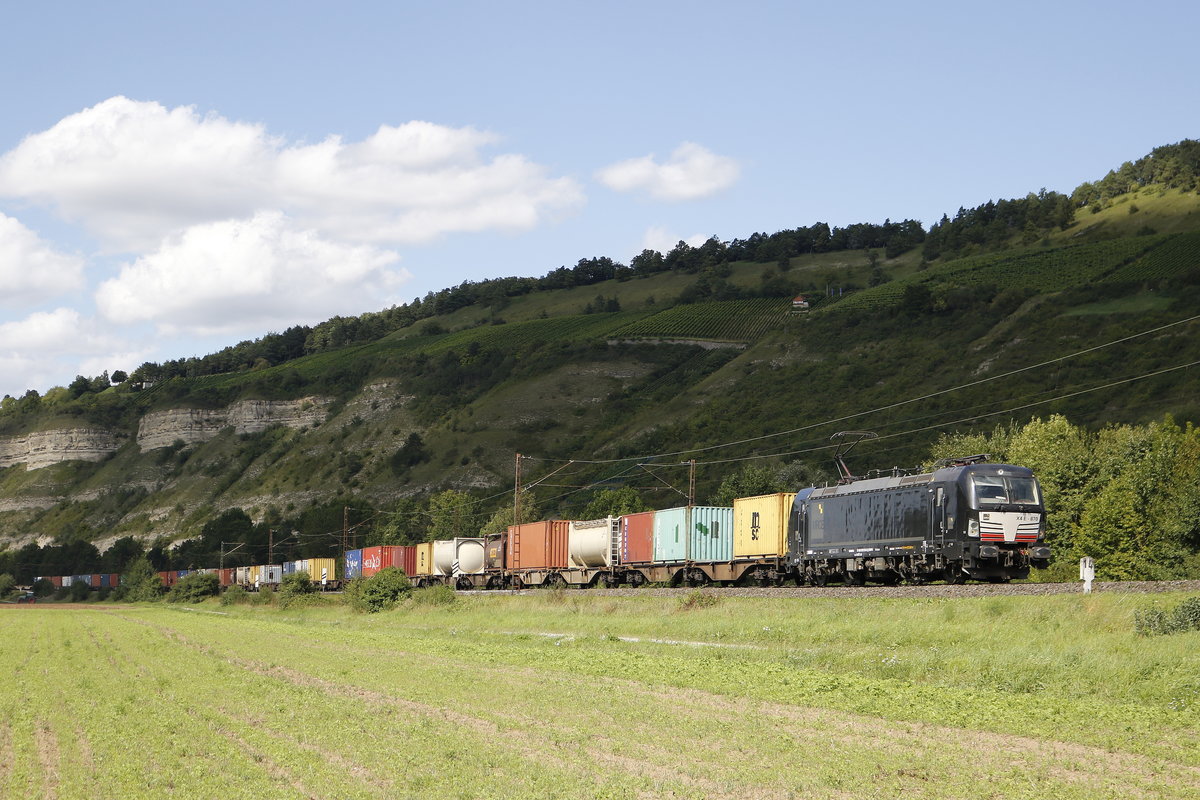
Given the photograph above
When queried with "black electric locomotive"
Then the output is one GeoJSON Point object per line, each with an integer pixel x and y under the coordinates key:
{"type": "Point", "coordinates": [965, 519]}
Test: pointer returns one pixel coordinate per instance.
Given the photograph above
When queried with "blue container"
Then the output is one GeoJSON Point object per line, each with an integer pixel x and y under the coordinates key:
{"type": "Point", "coordinates": [353, 564]}
{"type": "Point", "coordinates": [183, 573]}
{"type": "Point", "coordinates": [289, 567]}
{"type": "Point", "coordinates": [708, 537]}
{"type": "Point", "coordinates": [105, 580]}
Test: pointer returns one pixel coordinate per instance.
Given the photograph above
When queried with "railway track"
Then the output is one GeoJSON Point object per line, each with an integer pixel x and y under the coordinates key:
{"type": "Point", "coordinates": [928, 590]}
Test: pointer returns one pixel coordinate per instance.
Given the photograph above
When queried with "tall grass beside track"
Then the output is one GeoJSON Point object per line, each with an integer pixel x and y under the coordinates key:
{"type": "Point", "coordinates": [573, 695]}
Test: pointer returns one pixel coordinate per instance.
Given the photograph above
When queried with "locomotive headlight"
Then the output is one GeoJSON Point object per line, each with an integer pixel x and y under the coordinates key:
{"type": "Point", "coordinates": [973, 528]}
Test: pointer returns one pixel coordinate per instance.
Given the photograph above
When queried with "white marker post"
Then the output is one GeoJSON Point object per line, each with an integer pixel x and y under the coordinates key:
{"type": "Point", "coordinates": [1087, 573]}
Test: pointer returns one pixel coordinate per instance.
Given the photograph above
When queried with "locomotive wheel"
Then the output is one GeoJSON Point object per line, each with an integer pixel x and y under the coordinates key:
{"type": "Point", "coordinates": [854, 578]}
{"type": "Point", "coordinates": [819, 579]}
{"type": "Point", "coordinates": [954, 576]}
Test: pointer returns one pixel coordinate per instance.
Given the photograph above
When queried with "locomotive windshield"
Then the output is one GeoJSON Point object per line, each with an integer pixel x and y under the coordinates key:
{"type": "Point", "coordinates": [1001, 489]}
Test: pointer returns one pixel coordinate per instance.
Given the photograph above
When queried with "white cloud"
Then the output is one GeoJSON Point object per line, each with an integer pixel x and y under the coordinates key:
{"type": "Point", "coordinates": [43, 333]}
{"type": "Point", "coordinates": [692, 172]}
{"type": "Point", "coordinates": [246, 276]}
{"type": "Point", "coordinates": [660, 239]}
{"type": "Point", "coordinates": [135, 172]}
{"type": "Point", "coordinates": [30, 269]}
{"type": "Point", "coordinates": [51, 347]}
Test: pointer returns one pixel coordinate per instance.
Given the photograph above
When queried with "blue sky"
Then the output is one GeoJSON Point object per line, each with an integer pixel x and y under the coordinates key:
{"type": "Point", "coordinates": [178, 177]}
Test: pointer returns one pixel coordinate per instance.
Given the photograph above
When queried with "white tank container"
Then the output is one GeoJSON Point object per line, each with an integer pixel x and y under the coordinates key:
{"type": "Point", "coordinates": [589, 543]}
{"type": "Point", "coordinates": [458, 557]}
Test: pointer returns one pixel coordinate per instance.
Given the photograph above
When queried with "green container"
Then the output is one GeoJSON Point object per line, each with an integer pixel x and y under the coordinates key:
{"type": "Point", "coordinates": [701, 533]}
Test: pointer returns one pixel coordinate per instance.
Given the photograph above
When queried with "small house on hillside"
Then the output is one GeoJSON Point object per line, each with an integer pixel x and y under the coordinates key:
{"type": "Point", "coordinates": [799, 304]}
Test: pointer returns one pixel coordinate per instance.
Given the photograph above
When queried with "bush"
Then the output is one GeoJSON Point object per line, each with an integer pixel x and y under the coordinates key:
{"type": "Point", "coordinates": [80, 591]}
{"type": "Point", "coordinates": [440, 595]}
{"type": "Point", "coordinates": [43, 587]}
{"type": "Point", "coordinates": [234, 594]}
{"type": "Point", "coordinates": [7, 582]}
{"type": "Point", "coordinates": [697, 599]}
{"type": "Point", "coordinates": [294, 587]}
{"type": "Point", "coordinates": [380, 592]}
{"type": "Point", "coordinates": [1158, 622]}
{"type": "Point", "coordinates": [263, 597]}
{"type": "Point", "coordinates": [194, 588]}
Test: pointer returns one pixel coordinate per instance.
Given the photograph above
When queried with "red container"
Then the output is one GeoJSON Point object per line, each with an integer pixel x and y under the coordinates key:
{"type": "Point", "coordinates": [637, 538]}
{"type": "Point", "coordinates": [537, 545]}
{"type": "Point", "coordinates": [94, 579]}
{"type": "Point", "coordinates": [226, 576]}
{"type": "Point", "coordinates": [168, 578]}
{"type": "Point", "coordinates": [56, 580]}
{"type": "Point", "coordinates": [403, 557]}
{"type": "Point", "coordinates": [406, 558]}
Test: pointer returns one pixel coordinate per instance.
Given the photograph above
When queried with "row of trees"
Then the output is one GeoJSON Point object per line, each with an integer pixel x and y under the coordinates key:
{"type": "Point", "coordinates": [1128, 495]}
{"type": "Point", "coordinates": [1176, 166]}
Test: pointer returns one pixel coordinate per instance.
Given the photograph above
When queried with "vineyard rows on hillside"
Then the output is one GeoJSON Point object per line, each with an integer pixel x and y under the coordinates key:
{"type": "Point", "coordinates": [725, 321]}
{"type": "Point", "coordinates": [1173, 257]}
{"type": "Point", "coordinates": [1046, 271]}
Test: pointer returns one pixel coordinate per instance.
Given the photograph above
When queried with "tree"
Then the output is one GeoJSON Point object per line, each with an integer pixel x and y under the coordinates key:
{"type": "Point", "coordinates": [450, 515]}
{"type": "Point", "coordinates": [139, 582]}
{"type": "Point", "coordinates": [750, 481]}
{"type": "Point", "coordinates": [527, 511]}
{"type": "Point", "coordinates": [119, 376]}
{"type": "Point", "coordinates": [614, 503]}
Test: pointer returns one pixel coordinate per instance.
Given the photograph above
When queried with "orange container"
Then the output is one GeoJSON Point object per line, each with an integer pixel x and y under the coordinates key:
{"type": "Point", "coordinates": [637, 537]}
{"type": "Point", "coordinates": [537, 545]}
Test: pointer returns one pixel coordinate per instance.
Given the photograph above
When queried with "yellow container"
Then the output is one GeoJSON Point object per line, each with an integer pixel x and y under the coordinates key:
{"type": "Point", "coordinates": [424, 559]}
{"type": "Point", "coordinates": [322, 570]}
{"type": "Point", "coordinates": [760, 525]}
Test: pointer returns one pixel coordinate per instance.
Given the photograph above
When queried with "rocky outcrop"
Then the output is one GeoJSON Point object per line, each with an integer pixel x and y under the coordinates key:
{"type": "Point", "coordinates": [195, 425]}
{"type": "Point", "coordinates": [43, 448]}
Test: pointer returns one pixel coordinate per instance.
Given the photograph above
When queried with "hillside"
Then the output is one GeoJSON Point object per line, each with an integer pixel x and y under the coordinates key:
{"type": "Point", "coordinates": [651, 362]}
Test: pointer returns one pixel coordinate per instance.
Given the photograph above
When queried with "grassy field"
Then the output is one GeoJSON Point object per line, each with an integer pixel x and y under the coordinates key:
{"type": "Point", "coordinates": [562, 695]}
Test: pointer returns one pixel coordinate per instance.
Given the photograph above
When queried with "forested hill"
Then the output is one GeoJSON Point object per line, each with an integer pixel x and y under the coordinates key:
{"type": "Point", "coordinates": [405, 423]}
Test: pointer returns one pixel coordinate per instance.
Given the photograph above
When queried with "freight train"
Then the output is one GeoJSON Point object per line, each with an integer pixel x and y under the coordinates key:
{"type": "Point", "coordinates": [964, 520]}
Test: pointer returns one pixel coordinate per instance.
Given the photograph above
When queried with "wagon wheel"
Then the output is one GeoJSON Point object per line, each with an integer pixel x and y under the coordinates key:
{"type": "Point", "coordinates": [854, 578]}
{"type": "Point", "coordinates": [819, 579]}
{"type": "Point", "coordinates": [698, 577]}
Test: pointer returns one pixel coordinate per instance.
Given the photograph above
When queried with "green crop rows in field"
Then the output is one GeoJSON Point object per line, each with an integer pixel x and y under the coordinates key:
{"type": "Point", "coordinates": [553, 696]}
{"type": "Point", "coordinates": [727, 320]}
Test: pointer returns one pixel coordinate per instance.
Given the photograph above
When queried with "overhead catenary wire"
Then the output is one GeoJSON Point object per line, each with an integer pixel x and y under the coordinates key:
{"type": "Point", "coordinates": [878, 409]}
{"type": "Point", "coordinates": [962, 420]}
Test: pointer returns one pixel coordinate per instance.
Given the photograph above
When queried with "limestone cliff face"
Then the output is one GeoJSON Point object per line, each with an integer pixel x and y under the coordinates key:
{"type": "Point", "coordinates": [43, 448]}
{"type": "Point", "coordinates": [194, 425]}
